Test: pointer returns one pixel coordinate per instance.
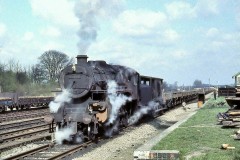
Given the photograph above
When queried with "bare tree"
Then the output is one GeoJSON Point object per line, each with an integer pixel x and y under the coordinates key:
{"type": "Point", "coordinates": [53, 62]}
{"type": "Point", "coordinates": [14, 65]}
{"type": "Point", "coordinates": [2, 67]}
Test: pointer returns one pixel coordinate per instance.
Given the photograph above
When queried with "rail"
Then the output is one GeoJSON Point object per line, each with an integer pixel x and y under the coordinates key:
{"type": "Point", "coordinates": [29, 152]}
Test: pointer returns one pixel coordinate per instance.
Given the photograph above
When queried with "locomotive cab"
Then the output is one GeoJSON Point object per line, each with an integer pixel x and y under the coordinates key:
{"type": "Point", "coordinates": [151, 91]}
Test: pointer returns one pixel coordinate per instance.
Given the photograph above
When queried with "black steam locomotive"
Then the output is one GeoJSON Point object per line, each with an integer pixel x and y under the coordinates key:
{"type": "Point", "coordinates": [103, 96]}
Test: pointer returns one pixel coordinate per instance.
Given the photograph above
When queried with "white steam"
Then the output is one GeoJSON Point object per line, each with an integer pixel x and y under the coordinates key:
{"type": "Point", "coordinates": [109, 132]}
{"type": "Point", "coordinates": [78, 140]}
{"type": "Point", "coordinates": [65, 96]}
{"type": "Point", "coordinates": [63, 134]}
{"type": "Point", "coordinates": [89, 13]}
{"type": "Point", "coordinates": [142, 111]}
{"type": "Point", "coordinates": [116, 100]}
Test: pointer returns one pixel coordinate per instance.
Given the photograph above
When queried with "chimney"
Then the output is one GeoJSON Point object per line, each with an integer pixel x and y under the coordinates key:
{"type": "Point", "coordinates": [82, 59]}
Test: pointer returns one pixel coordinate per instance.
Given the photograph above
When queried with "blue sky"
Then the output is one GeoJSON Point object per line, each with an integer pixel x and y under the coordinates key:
{"type": "Point", "coordinates": [174, 40]}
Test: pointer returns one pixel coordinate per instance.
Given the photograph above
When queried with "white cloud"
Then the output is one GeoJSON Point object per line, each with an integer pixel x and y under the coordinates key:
{"type": "Point", "coordinates": [238, 19]}
{"type": "Point", "coordinates": [57, 11]}
{"type": "Point", "coordinates": [146, 28]}
{"type": "Point", "coordinates": [15, 48]}
{"type": "Point", "coordinates": [51, 31]}
{"type": "Point", "coordinates": [202, 8]}
{"type": "Point", "coordinates": [207, 8]}
{"type": "Point", "coordinates": [179, 9]}
{"type": "Point", "coordinates": [218, 35]}
{"type": "Point", "coordinates": [218, 41]}
{"type": "Point", "coordinates": [52, 46]}
{"type": "Point", "coordinates": [122, 52]}
{"type": "Point", "coordinates": [170, 35]}
{"type": "Point", "coordinates": [179, 54]}
{"type": "Point", "coordinates": [28, 47]}
{"type": "Point", "coordinates": [3, 29]}
{"type": "Point", "coordinates": [139, 22]}
{"type": "Point", "coordinates": [237, 13]}
{"type": "Point", "coordinates": [28, 36]}
{"type": "Point", "coordinates": [212, 32]}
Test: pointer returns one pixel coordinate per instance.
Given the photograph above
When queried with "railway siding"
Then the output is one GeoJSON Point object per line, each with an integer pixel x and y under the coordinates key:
{"type": "Point", "coordinates": [50, 151]}
{"type": "Point", "coordinates": [20, 142]}
{"type": "Point", "coordinates": [20, 116]}
{"type": "Point", "coordinates": [19, 133]}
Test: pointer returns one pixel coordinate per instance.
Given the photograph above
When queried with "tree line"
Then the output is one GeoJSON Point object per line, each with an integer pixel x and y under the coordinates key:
{"type": "Point", "coordinates": [174, 87]}
{"type": "Point", "coordinates": [36, 79]}
{"type": "Point", "coordinates": [42, 78]}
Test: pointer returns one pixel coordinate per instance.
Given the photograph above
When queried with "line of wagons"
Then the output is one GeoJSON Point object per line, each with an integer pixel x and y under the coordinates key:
{"type": "Point", "coordinates": [172, 99]}
{"type": "Point", "coordinates": [11, 101]}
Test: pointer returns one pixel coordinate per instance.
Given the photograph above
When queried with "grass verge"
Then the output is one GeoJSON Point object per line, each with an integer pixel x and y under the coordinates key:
{"type": "Point", "coordinates": [200, 138]}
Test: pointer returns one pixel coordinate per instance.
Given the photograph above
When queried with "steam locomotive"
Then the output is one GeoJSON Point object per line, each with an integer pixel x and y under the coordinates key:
{"type": "Point", "coordinates": [94, 108]}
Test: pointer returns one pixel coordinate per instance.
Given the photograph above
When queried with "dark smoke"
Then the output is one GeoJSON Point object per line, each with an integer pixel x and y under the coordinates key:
{"type": "Point", "coordinates": [89, 12]}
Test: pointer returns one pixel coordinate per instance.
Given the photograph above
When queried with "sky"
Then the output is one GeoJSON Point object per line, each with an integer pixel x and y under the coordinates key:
{"type": "Point", "coordinates": [179, 41]}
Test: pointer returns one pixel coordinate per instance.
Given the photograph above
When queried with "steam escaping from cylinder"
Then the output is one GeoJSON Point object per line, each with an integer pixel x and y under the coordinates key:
{"type": "Point", "coordinates": [59, 100]}
{"type": "Point", "coordinates": [88, 13]}
{"type": "Point", "coordinates": [78, 140]}
{"type": "Point", "coordinates": [111, 130]}
{"type": "Point", "coordinates": [142, 111]}
{"type": "Point", "coordinates": [63, 134]}
{"type": "Point", "coordinates": [116, 100]}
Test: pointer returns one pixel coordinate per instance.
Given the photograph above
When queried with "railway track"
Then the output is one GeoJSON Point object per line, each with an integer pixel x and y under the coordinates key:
{"type": "Point", "coordinates": [21, 124]}
{"type": "Point", "coordinates": [50, 151]}
{"type": "Point", "coordinates": [11, 145]}
{"type": "Point", "coordinates": [23, 115]}
{"type": "Point", "coordinates": [23, 133]}
{"type": "Point", "coordinates": [17, 138]}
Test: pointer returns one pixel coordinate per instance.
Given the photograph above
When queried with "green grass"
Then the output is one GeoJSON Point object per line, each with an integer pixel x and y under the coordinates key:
{"type": "Point", "coordinates": [201, 137]}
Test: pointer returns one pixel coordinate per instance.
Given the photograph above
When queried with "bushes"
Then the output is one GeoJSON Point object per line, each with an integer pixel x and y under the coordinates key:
{"type": "Point", "coordinates": [19, 79]}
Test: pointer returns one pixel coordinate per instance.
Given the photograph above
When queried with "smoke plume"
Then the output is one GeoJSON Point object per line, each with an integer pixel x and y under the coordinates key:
{"type": "Point", "coordinates": [116, 100]}
{"type": "Point", "coordinates": [89, 13]}
{"type": "Point", "coordinates": [142, 111]}
{"type": "Point", "coordinates": [63, 134]}
{"type": "Point", "coordinates": [59, 100]}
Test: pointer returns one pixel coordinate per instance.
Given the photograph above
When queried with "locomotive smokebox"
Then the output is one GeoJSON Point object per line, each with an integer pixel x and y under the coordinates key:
{"type": "Point", "coordinates": [82, 59]}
